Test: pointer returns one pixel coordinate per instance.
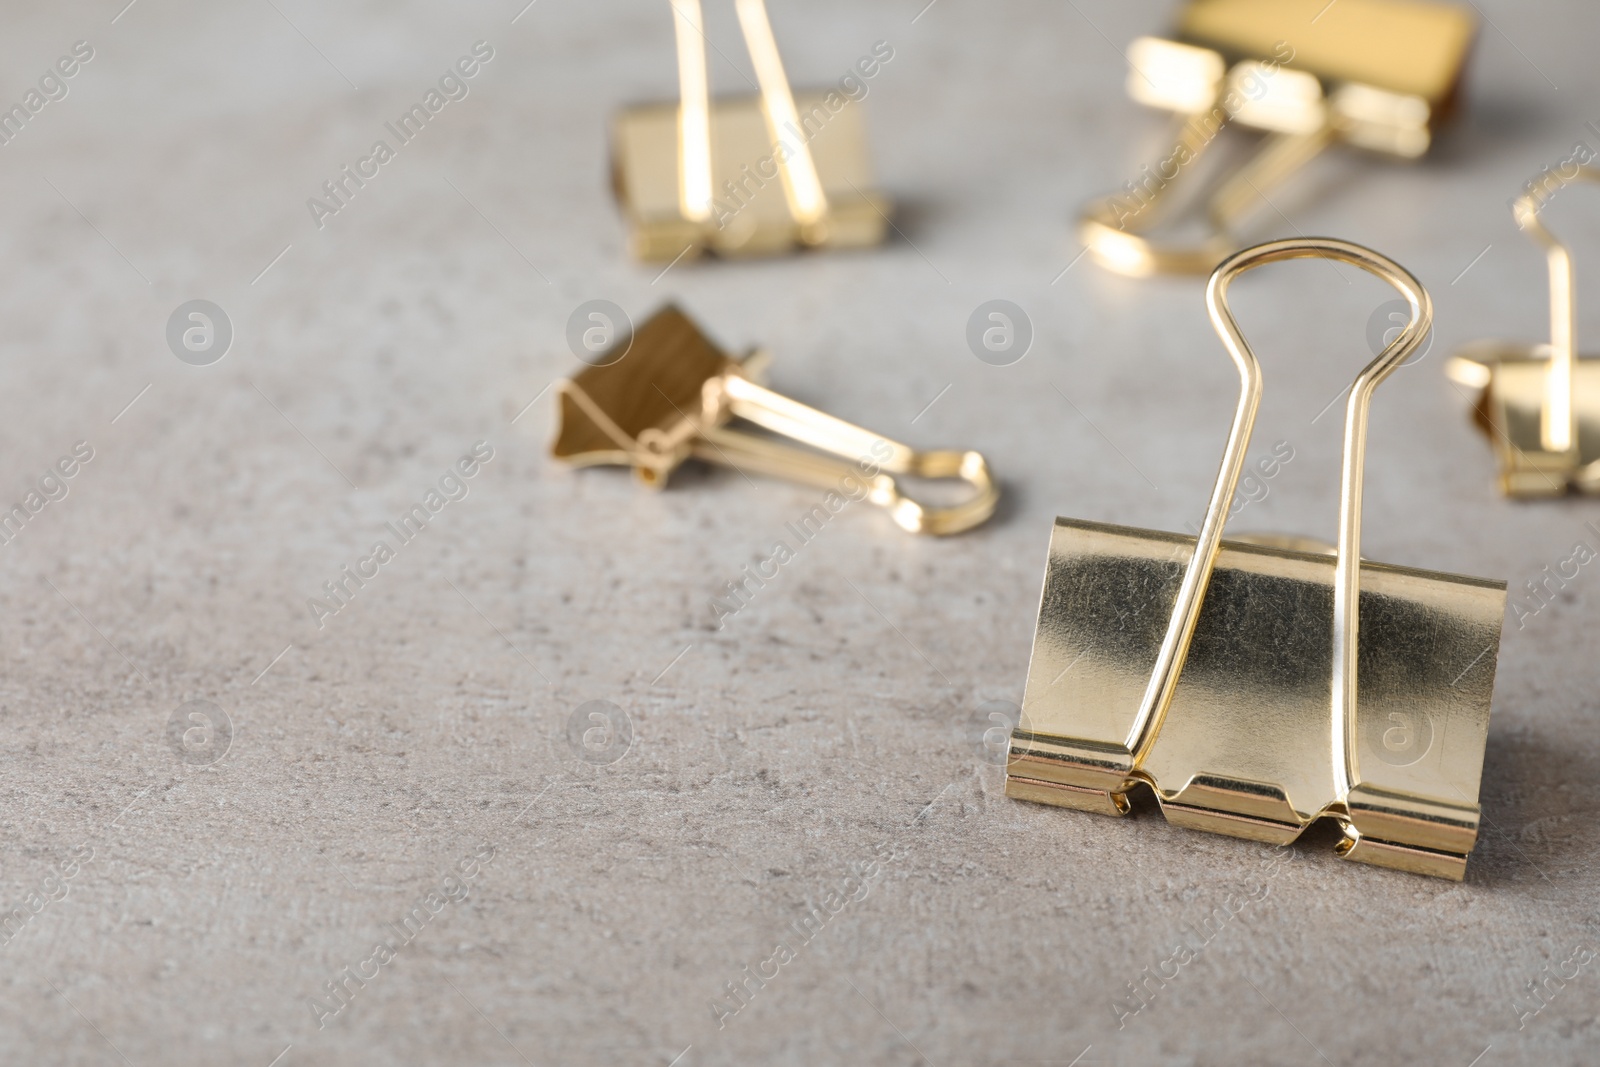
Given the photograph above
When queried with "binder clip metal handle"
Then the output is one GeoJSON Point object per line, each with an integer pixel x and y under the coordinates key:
{"type": "Point", "coordinates": [694, 175]}
{"type": "Point", "coordinates": [1242, 681]}
{"type": "Point", "coordinates": [732, 395]}
{"type": "Point", "coordinates": [672, 395]}
{"type": "Point", "coordinates": [1119, 239]}
{"type": "Point", "coordinates": [1347, 569]}
{"type": "Point", "coordinates": [1536, 398]}
{"type": "Point", "coordinates": [802, 188]}
{"type": "Point", "coordinates": [1382, 75]}
{"type": "Point", "coordinates": [1556, 421]}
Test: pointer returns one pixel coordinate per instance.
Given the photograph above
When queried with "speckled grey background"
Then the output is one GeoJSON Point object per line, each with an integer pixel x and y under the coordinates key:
{"type": "Point", "coordinates": [838, 720]}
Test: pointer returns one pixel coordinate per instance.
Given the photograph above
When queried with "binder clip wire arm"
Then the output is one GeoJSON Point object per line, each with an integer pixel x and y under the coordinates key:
{"type": "Point", "coordinates": [1347, 569]}
{"type": "Point", "coordinates": [802, 188]}
{"type": "Point", "coordinates": [837, 442]}
{"type": "Point", "coordinates": [1119, 239]}
{"type": "Point", "coordinates": [692, 175]}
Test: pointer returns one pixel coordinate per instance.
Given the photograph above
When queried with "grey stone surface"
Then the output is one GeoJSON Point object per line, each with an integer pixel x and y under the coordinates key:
{"type": "Point", "coordinates": [836, 720]}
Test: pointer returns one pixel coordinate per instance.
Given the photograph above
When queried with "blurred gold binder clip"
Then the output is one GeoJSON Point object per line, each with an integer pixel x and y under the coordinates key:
{"type": "Point", "coordinates": [745, 175]}
{"type": "Point", "coordinates": [1225, 675]}
{"type": "Point", "coordinates": [1540, 403]}
{"type": "Point", "coordinates": [666, 394]}
{"type": "Point", "coordinates": [1378, 74]}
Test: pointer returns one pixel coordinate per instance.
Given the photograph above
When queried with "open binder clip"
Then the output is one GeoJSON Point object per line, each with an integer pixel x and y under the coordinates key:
{"type": "Point", "coordinates": [671, 395]}
{"type": "Point", "coordinates": [1378, 74]}
{"type": "Point", "coordinates": [744, 175]}
{"type": "Point", "coordinates": [1540, 403]}
{"type": "Point", "coordinates": [1254, 687]}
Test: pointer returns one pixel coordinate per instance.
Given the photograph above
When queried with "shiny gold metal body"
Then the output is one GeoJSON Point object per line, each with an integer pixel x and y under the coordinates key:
{"type": "Point", "coordinates": [747, 175]}
{"type": "Point", "coordinates": [671, 395]}
{"type": "Point", "coordinates": [1540, 402]}
{"type": "Point", "coordinates": [1377, 74]}
{"type": "Point", "coordinates": [1257, 688]}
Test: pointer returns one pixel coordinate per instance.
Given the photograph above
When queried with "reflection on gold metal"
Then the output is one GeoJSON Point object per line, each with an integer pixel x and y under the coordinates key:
{"type": "Point", "coordinates": [667, 394]}
{"type": "Point", "coordinates": [694, 112]}
{"type": "Point", "coordinates": [800, 182]}
{"type": "Point", "coordinates": [1377, 74]}
{"type": "Point", "coordinates": [1540, 403]}
{"type": "Point", "coordinates": [695, 176]}
{"type": "Point", "coordinates": [1257, 686]}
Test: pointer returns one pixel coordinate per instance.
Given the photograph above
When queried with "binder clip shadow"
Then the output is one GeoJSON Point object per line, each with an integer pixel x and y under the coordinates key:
{"type": "Point", "coordinates": [1259, 687]}
{"type": "Point", "coordinates": [1539, 403]}
{"type": "Point", "coordinates": [699, 175]}
{"type": "Point", "coordinates": [667, 394]}
{"type": "Point", "coordinates": [1382, 75]}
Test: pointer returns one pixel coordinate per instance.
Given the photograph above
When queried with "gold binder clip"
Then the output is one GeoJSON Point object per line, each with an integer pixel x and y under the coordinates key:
{"type": "Point", "coordinates": [1540, 403]}
{"type": "Point", "coordinates": [746, 175]}
{"type": "Point", "coordinates": [1225, 674]}
{"type": "Point", "coordinates": [671, 394]}
{"type": "Point", "coordinates": [1378, 74]}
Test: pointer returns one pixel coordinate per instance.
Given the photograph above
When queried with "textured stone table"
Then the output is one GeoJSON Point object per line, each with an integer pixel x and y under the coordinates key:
{"type": "Point", "coordinates": [399, 772]}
